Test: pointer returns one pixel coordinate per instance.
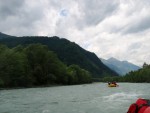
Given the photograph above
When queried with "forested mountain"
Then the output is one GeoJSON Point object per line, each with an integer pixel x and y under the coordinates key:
{"type": "Point", "coordinates": [68, 52]}
{"type": "Point", "coordinates": [35, 65]}
{"type": "Point", "coordinates": [2, 35]}
{"type": "Point", "coordinates": [121, 67]}
{"type": "Point", "coordinates": [139, 76]}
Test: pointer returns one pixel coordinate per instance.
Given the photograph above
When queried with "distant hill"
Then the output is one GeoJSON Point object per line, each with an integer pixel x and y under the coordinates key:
{"type": "Point", "coordinates": [121, 67]}
{"type": "Point", "coordinates": [139, 76]}
{"type": "Point", "coordinates": [2, 35]}
{"type": "Point", "coordinates": [68, 52]}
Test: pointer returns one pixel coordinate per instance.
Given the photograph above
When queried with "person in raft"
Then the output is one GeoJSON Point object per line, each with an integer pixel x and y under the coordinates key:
{"type": "Point", "coordinates": [114, 83]}
{"type": "Point", "coordinates": [141, 106]}
{"type": "Point", "coordinates": [108, 83]}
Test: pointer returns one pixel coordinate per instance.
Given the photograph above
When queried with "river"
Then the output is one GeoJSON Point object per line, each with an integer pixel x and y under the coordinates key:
{"type": "Point", "coordinates": [87, 98]}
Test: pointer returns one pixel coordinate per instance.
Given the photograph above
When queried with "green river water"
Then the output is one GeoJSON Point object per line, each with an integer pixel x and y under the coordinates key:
{"type": "Point", "coordinates": [87, 98]}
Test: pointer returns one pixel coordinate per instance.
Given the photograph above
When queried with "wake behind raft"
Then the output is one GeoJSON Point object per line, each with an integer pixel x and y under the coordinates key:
{"type": "Point", "coordinates": [141, 106]}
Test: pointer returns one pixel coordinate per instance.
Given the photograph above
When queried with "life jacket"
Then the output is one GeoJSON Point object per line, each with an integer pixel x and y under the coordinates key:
{"type": "Point", "coordinates": [141, 106]}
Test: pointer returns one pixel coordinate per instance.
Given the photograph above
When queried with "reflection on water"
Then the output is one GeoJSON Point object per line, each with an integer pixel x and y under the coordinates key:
{"type": "Point", "coordinates": [89, 98]}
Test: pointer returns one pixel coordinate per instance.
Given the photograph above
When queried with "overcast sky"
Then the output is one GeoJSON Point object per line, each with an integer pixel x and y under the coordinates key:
{"type": "Point", "coordinates": [109, 28]}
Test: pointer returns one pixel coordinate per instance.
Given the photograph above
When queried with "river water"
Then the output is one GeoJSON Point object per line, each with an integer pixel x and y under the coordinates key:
{"type": "Point", "coordinates": [87, 98]}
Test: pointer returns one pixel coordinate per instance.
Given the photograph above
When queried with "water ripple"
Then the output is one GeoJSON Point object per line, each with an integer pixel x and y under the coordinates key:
{"type": "Point", "coordinates": [121, 96]}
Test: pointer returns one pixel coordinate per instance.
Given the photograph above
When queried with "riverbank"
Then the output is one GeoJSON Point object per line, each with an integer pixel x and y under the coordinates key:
{"type": "Point", "coordinates": [42, 86]}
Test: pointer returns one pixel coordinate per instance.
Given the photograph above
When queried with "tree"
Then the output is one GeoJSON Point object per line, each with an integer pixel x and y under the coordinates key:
{"type": "Point", "coordinates": [145, 65]}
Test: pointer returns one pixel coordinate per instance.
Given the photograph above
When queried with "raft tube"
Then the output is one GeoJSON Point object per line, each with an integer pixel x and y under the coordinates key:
{"type": "Point", "coordinates": [112, 85]}
{"type": "Point", "coordinates": [141, 106]}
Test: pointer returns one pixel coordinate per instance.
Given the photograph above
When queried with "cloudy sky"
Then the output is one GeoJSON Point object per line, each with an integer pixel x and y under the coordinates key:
{"type": "Point", "coordinates": [110, 28]}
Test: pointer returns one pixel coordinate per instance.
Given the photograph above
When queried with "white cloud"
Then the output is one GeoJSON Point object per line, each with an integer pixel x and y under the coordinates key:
{"type": "Point", "coordinates": [119, 28]}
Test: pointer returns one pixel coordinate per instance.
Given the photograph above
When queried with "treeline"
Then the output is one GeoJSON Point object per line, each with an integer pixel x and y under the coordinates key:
{"type": "Point", "coordinates": [139, 76]}
{"type": "Point", "coordinates": [68, 52]}
{"type": "Point", "coordinates": [35, 65]}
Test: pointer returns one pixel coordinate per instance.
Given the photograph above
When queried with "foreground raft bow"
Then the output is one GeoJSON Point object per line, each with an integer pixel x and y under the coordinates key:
{"type": "Point", "coordinates": [141, 106]}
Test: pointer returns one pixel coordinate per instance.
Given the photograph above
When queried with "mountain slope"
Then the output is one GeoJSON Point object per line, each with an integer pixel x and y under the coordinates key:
{"type": "Point", "coordinates": [68, 52]}
{"type": "Point", "coordinates": [121, 67]}
{"type": "Point", "coordinates": [2, 35]}
{"type": "Point", "coordinates": [139, 76]}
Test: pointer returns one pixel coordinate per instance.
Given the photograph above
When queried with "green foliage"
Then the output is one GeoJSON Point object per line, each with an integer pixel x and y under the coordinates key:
{"type": "Point", "coordinates": [142, 75]}
{"type": "Point", "coordinates": [36, 65]}
{"type": "Point", "coordinates": [68, 52]}
{"type": "Point", "coordinates": [1, 83]}
{"type": "Point", "coordinates": [78, 75]}
{"type": "Point", "coordinates": [139, 76]}
{"type": "Point", "coordinates": [12, 67]}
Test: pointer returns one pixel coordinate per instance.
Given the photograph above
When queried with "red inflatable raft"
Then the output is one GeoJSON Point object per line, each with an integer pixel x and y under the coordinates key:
{"type": "Point", "coordinates": [141, 106]}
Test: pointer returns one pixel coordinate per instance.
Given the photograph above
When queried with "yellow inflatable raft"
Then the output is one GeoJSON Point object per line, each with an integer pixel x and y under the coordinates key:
{"type": "Point", "coordinates": [112, 85]}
